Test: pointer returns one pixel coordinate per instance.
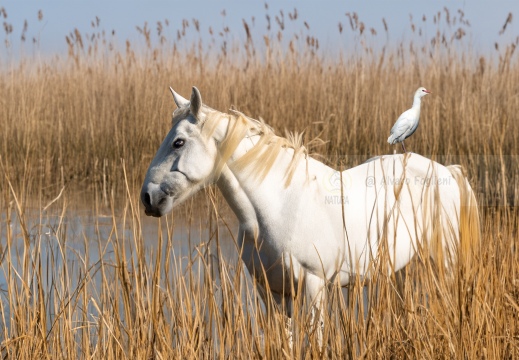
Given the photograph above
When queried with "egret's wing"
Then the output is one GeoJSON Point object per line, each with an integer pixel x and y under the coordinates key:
{"type": "Point", "coordinates": [403, 123]}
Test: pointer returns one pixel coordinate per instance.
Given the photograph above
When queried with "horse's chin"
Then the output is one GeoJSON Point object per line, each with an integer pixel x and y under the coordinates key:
{"type": "Point", "coordinates": [153, 213]}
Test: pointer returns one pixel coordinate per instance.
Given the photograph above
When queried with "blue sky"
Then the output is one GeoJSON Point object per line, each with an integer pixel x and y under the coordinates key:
{"type": "Point", "coordinates": [62, 17]}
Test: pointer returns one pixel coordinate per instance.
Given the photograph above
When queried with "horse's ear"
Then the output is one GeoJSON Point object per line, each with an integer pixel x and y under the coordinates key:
{"type": "Point", "coordinates": [196, 101]}
{"type": "Point", "coordinates": [179, 100]}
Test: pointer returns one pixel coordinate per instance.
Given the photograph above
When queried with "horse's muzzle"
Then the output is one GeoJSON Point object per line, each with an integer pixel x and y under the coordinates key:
{"type": "Point", "coordinates": [155, 200]}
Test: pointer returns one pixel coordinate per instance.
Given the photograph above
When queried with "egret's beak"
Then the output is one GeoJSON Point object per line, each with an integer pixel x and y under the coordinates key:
{"type": "Point", "coordinates": [427, 91]}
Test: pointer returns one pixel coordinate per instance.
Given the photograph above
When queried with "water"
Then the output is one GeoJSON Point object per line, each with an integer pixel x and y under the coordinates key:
{"type": "Point", "coordinates": [79, 252]}
{"type": "Point", "coordinates": [58, 255]}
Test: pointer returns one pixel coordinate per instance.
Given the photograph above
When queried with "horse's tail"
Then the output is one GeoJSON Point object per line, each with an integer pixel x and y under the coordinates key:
{"type": "Point", "coordinates": [469, 226]}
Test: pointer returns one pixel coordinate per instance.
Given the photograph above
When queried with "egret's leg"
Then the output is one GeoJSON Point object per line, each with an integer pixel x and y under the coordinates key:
{"type": "Point", "coordinates": [403, 146]}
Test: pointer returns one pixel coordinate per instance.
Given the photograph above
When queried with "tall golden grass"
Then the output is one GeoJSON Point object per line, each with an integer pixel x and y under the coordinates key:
{"type": "Point", "coordinates": [78, 132]}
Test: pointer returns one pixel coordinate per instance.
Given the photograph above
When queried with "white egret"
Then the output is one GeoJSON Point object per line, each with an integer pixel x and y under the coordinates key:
{"type": "Point", "coordinates": [407, 123]}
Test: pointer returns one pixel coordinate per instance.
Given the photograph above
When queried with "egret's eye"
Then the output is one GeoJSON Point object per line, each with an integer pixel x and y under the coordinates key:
{"type": "Point", "coordinates": [178, 143]}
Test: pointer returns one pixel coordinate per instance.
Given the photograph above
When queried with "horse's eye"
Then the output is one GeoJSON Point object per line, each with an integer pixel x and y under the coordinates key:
{"type": "Point", "coordinates": [178, 143]}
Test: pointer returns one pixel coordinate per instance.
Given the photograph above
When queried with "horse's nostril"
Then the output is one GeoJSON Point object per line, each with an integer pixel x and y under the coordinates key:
{"type": "Point", "coordinates": [161, 201]}
{"type": "Point", "coordinates": [147, 199]}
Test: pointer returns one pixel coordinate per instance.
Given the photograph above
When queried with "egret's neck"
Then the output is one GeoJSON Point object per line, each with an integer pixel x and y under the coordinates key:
{"type": "Point", "coordinates": [416, 102]}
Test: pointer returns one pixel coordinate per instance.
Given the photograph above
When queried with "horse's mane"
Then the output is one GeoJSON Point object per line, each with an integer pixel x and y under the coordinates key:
{"type": "Point", "coordinates": [258, 161]}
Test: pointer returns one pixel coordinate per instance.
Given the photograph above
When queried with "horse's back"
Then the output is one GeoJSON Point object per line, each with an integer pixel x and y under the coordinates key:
{"type": "Point", "coordinates": [402, 201]}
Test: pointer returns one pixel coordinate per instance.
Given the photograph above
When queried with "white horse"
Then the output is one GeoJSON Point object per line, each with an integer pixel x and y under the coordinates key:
{"type": "Point", "coordinates": [301, 220]}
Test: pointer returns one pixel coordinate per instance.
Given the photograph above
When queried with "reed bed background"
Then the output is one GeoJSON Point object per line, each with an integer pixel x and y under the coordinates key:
{"type": "Point", "coordinates": [78, 132]}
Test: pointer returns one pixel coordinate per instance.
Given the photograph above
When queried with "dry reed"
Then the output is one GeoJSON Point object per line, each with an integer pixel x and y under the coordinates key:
{"type": "Point", "coordinates": [78, 132]}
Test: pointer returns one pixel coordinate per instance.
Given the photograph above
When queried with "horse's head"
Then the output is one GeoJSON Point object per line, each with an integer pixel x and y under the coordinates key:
{"type": "Point", "coordinates": [185, 160]}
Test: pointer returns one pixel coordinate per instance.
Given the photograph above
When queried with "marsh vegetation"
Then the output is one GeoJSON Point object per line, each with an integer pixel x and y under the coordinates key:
{"type": "Point", "coordinates": [78, 132]}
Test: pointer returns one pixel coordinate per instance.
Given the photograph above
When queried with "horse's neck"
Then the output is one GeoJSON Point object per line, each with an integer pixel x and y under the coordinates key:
{"type": "Point", "coordinates": [239, 190]}
{"type": "Point", "coordinates": [245, 145]}
{"type": "Point", "coordinates": [236, 197]}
